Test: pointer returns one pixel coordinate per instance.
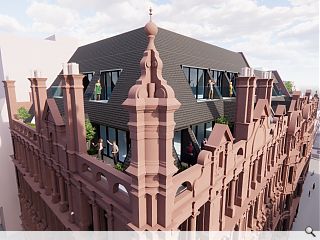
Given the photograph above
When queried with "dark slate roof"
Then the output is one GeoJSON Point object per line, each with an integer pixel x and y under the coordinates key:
{"type": "Point", "coordinates": [125, 51]}
{"type": "Point", "coordinates": [280, 83]}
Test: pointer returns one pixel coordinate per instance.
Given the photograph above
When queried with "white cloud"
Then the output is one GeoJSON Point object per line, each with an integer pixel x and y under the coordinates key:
{"type": "Point", "coordinates": [53, 14]}
{"type": "Point", "coordinates": [283, 38]}
{"type": "Point", "coordinates": [9, 24]}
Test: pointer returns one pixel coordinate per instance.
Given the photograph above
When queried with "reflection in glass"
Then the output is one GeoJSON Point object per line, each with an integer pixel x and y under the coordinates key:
{"type": "Point", "coordinates": [200, 83]}
{"type": "Point", "coordinates": [200, 133]}
{"type": "Point", "coordinates": [122, 143]}
{"type": "Point", "coordinates": [112, 137]}
{"type": "Point", "coordinates": [193, 80]}
{"type": "Point", "coordinates": [177, 142]}
{"type": "Point", "coordinates": [208, 129]}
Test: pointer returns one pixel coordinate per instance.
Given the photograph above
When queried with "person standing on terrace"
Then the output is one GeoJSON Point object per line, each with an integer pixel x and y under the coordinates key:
{"type": "Point", "coordinates": [97, 90]}
{"type": "Point", "coordinates": [230, 89]}
{"type": "Point", "coordinates": [211, 85]}
{"type": "Point", "coordinates": [114, 151]}
{"type": "Point", "coordinates": [99, 145]}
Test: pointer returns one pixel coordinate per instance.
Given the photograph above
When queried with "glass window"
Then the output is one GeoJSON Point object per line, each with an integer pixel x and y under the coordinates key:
{"type": "Point", "coordinates": [177, 142]}
{"type": "Point", "coordinates": [200, 133]}
{"type": "Point", "coordinates": [193, 80]}
{"type": "Point", "coordinates": [111, 137]}
{"type": "Point", "coordinates": [109, 80]}
{"type": "Point", "coordinates": [200, 83]}
{"type": "Point", "coordinates": [103, 134]}
{"type": "Point", "coordinates": [114, 79]}
{"type": "Point", "coordinates": [186, 72]}
{"type": "Point", "coordinates": [86, 80]}
{"type": "Point", "coordinates": [122, 144]}
{"type": "Point", "coordinates": [194, 129]}
{"type": "Point", "coordinates": [208, 129]}
{"type": "Point", "coordinates": [108, 85]}
{"type": "Point", "coordinates": [56, 91]}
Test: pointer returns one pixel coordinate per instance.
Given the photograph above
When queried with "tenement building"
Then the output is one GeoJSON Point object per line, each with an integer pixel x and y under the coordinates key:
{"type": "Point", "coordinates": [247, 175]}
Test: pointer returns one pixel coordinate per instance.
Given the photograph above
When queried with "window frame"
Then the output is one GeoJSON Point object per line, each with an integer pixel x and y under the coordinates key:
{"type": "Point", "coordinates": [103, 77]}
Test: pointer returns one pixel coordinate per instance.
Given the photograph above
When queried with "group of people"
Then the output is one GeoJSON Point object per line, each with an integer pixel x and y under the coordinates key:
{"type": "Point", "coordinates": [211, 83]}
{"type": "Point", "coordinates": [114, 150]}
{"type": "Point", "coordinates": [313, 185]}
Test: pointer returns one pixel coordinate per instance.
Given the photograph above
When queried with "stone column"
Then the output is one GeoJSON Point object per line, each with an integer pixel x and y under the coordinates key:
{"type": "Point", "coordinates": [231, 190]}
{"type": "Point", "coordinates": [250, 217]}
{"type": "Point", "coordinates": [41, 170]}
{"type": "Point", "coordinates": [26, 154]}
{"type": "Point", "coordinates": [36, 167]}
{"type": "Point", "coordinates": [193, 221]}
{"type": "Point", "coordinates": [63, 203]}
{"type": "Point", "coordinates": [254, 174]}
{"type": "Point", "coordinates": [84, 223]}
{"type": "Point", "coordinates": [47, 178]}
{"type": "Point", "coordinates": [208, 219]}
{"type": "Point", "coordinates": [30, 153]}
{"type": "Point", "coordinates": [96, 219]}
{"type": "Point", "coordinates": [110, 218]}
{"type": "Point", "coordinates": [55, 193]}
{"type": "Point", "coordinates": [232, 193]}
{"type": "Point", "coordinates": [70, 200]}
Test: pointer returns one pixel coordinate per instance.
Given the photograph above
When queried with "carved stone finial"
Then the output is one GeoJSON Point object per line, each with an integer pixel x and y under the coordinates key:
{"type": "Point", "coordinates": [150, 28]}
{"type": "Point", "coordinates": [150, 13]}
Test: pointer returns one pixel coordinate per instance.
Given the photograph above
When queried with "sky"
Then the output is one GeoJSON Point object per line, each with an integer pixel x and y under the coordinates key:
{"type": "Point", "coordinates": [278, 35]}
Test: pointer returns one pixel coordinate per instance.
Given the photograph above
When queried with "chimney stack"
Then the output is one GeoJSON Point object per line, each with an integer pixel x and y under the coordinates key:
{"type": "Point", "coordinates": [264, 86]}
{"type": "Point", "coordinates": [245, 85]}
{"type": "Point", "coordinates": [74, 108]}
{"type": "Point", "coordinates": [11, 99]}
{"type": "Point", "coordinates": [39, 96]}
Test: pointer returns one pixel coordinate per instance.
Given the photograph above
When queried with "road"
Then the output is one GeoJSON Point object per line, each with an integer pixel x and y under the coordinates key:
{"type": "Point", "coordinates": [309, 210]}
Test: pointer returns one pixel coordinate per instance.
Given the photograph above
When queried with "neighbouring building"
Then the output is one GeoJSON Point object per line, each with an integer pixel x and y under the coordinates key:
{"type": "Point", "coordinates": [248, 175]}
{"type": "Point", "coordinates": [18, 56]}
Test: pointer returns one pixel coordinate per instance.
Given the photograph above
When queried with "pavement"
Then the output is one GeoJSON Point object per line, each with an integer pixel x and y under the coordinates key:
{"type": "Point", "coordinates": [309, 210]}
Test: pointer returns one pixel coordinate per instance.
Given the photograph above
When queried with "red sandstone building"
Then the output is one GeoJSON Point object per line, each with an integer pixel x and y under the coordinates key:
{"type": "Point", "coordinates": [249, 177]}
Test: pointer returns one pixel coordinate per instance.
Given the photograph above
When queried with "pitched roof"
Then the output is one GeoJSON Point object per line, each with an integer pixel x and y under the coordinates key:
{"type": "Point", "coordinates": [280, 85]}
{"type": "Point", "coordinates": [220, 133]}
{"type": "Point", "coordinates": [261, 108]}
{"type": "Point", "coordinates": [280, 110]}
{"type": "Point", "coordinates": [51, 113]}
{"type": "Point", "coordinates": [125, 51]}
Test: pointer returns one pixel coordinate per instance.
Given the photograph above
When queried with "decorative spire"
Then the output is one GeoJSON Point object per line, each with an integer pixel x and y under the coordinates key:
{"type": "Point", "coordinates": [150, 13]}
{"type": "Point", "coordinates": [151, 83]}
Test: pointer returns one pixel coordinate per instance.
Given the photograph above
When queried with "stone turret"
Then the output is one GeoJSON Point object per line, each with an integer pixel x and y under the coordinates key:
{"type": "Point", "coordinates": [151, 104]}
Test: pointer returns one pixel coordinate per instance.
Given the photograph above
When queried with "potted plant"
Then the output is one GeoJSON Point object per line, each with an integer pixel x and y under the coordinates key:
{"type": "Point", "coordinates": [23, 114]}
{"type": "Point", "coordinates": [222, 120]}
{"type": "Point", "coordinates": [119, 166]}
{"type": "Point", "coordinates": [90, 133]}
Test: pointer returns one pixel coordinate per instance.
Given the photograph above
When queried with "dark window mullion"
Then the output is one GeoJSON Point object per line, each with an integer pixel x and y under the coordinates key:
{"type": "Point", "coordinates": [107, 144]}
{"type": "Point", "coordinates": [197, 76]}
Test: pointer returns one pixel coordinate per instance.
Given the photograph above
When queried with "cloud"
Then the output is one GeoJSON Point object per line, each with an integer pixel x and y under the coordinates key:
{"type": "Point", "coordinates": [10, 24]}
{"type": "Point", "coordinates": [282, 37]}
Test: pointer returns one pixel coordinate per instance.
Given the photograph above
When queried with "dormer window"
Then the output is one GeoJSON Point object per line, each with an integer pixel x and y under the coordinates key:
{"type": "Point", "coordinates": [86, 80]}
{"type": "Point", "coordinates": [196, 80]}
{"type": "Point", "coordinates": [202, 88]}
{"type": "Point", "coordinates": [108, 80]}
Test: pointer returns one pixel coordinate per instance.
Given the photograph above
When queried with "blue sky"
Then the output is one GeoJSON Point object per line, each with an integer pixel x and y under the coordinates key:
{"type": "Point", "coordinates": [273, 34]}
